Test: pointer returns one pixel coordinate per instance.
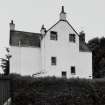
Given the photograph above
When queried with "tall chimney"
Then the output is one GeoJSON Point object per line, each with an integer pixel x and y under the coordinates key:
{"type": "Point", "coordinates": [12, 26]}
{"type": "Point", "coordinates": [63, 14]}
{"type": "Point", "coordinates": [82, 36]}
{"type": "Point", "coordinates": [43, 30]}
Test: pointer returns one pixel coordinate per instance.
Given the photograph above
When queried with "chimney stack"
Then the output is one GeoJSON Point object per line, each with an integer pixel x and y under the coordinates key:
{"type": "Point", "coordinates": [12, 26]}
{"type": "Point", "coordinates": [82, 36]}
{"type": "Point", "coordinates": [63, 14]}
{"type": "Point", "coordinates": [43, 30]}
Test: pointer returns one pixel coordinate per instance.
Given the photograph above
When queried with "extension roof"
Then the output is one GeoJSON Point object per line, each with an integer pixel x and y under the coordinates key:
{"type": "Point", "coordinates": [24, 39]}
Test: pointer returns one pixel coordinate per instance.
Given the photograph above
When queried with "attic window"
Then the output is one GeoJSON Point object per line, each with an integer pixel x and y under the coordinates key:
{"type": "Point", "coordinates": [53, 35]}
{"type": "Point", "coordinates": [72, 38]}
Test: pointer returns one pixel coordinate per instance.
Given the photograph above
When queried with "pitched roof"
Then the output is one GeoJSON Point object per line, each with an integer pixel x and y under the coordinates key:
{"type": "Point", "coordinates": [67, 23]}
{"type": "Point", "coordinates": [24, 39]}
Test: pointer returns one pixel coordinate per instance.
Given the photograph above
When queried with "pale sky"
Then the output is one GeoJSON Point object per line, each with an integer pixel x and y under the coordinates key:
{"type": "Point", "coordinates": [29, 15]}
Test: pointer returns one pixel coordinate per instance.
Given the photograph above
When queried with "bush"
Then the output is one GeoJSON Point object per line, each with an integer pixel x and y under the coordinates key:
{"type": "Point", "coordinates": [56, 91]}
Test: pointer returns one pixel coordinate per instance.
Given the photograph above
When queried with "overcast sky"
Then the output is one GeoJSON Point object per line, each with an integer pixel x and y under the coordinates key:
{"type": "Point", "coordinates": [29, 15]}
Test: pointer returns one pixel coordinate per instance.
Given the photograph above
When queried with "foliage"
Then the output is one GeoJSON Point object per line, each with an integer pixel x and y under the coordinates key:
{"type": "Point", "coordinates": [5, 62]}
{"type": "Point", "coordinates": [5, 66]}
{"type": "Point", "coordinates": [97, 46]}
{"type": "Point", "coordinates": [56, 91]}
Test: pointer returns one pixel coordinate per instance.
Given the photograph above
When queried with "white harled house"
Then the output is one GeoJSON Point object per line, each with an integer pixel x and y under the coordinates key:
{"type": "Point", "coordinates": [59, 51]}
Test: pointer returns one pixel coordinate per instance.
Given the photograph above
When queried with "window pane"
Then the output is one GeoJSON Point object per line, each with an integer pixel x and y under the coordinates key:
{"type": "Point", "coordinates": [53, 35]}
{"type": "Point", "coordinates": [64, 74]}
{"type": "Point", "coordinates": [72, 37]}
{"type": "Point", "coordinates": [53, 60]}
{"type": "Point", "coordinates": [73, 70]}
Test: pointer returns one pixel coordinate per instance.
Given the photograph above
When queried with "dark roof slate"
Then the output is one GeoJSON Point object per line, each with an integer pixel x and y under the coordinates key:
{"type": "Point", "coordinates": [24, 39]}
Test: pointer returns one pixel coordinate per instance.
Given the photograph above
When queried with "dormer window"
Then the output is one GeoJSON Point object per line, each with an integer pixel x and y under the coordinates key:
{"type": "Point", "coordinates": [72, 38]}
{"type": "Point", "coordinates": [53, 35]}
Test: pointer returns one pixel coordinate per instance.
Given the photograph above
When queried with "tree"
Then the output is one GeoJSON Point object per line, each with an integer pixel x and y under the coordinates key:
{"type": "Point", "coordinates": [5, 66]}
{"type": "Point", "coordinates": [97, 46]}
{"type": "Point", "coordinates": [5, 62]}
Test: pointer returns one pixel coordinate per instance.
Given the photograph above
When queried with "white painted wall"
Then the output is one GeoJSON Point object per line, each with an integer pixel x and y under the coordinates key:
{"type": "Point", "coordinates": [67, 53]}
{"type": "Point", "coordinates": [25, 60]}
{"type": "Point", "coordinates": [84, 64]}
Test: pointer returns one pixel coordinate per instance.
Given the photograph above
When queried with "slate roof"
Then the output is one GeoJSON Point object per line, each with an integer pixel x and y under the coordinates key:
{"type": "Point", "coordinates": [24, 39]}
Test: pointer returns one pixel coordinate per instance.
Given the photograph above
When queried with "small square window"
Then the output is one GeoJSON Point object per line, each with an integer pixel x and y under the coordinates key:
{"type": "Point", "coordinates": [53, 60]}
{"type": "Point", "coordinates": [53, 35]}
{"type": "Point", "coordinates": [72, 38]}
{"type": "Point", "coordinates": [64, 74]}
{"type": "Point", "coordinates": [73, 72]}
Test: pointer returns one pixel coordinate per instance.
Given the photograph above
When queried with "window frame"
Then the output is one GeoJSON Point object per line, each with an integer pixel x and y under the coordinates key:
{"type": "Point", "coordinates": [53, 35]}
{"type": "Point", "coordinates": [64, 74]}
{"type": "Point", "coordinates": [73, 70]}
{"type": "Point", "coordinates": [72, 38]}
{"type": "Point", "coordinates": [53, 61]}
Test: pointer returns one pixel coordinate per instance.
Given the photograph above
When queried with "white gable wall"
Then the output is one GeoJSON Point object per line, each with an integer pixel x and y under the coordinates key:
{"type": "Point", "coordinates": [66, 52]}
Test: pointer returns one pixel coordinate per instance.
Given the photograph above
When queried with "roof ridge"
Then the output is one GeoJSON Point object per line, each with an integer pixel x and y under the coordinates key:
{"type": "Point", "coordinates": [66, 22]}
{"type": "Point", "coordinates": [53, 25]}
